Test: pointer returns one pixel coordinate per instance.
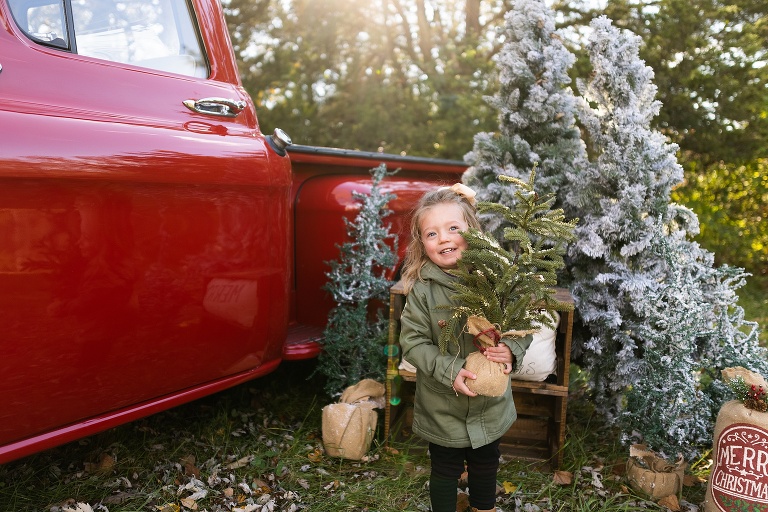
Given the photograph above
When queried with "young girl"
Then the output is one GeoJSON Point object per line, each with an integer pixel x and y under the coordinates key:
{"type": "Point", "coordinates": [459, 425]}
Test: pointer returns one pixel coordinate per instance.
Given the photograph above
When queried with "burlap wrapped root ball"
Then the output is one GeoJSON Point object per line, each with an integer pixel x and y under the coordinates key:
{"type": "Point", "coordinates": [348, 429]}
{"type": "Point", "coordinates": [491, 379]}
{"type": "Point", "coordinates": [349, 426]}
{"type": "Point", "coordinates": [652, 475]}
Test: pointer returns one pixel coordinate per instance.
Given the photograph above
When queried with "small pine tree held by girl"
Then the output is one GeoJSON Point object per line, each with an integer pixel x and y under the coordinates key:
{"type": "Point", "coordinates": [505, 287]}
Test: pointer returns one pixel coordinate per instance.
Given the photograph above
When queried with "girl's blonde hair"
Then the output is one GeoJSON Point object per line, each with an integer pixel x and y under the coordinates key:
{"type": "Point", "coordinates": [415, 254]}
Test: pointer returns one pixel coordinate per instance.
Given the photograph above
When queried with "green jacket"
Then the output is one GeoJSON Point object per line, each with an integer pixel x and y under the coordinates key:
{"type": "Point", "coordinates": [441, 415]}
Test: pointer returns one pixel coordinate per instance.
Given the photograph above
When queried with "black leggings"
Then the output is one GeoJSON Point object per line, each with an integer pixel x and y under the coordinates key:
{"type": "Point", "coordinates": [482, 466]}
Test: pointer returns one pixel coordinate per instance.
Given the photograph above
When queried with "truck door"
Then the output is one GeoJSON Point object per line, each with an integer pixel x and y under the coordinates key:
{"type": "Point", "coordinates": [144, 220]}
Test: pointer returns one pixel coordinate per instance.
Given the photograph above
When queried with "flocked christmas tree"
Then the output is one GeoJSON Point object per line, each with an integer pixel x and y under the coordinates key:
{"type": "Point", "coordinates": [536, 111]}
{"type": "Point", "coordinates": [623, 198]}
{"type": "Point", "coordinates": [513, 288]}
{"type": "Point", "coordinates": [666, 402]}
{"type": "Point", "coordinates": [620, 197]}
{"type": "Point", "coordinates": [355, 336]}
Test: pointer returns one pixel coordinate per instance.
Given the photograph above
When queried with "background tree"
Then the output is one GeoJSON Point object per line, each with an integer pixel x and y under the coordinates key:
{"type": "Point", "coordinates": [731, 202]}
{"type": "Point", "coordinates": [434, 57]}
{"type": "Point", "coordinates": [710, 63]}
{"type": "Point", "coordinates": [327, 71]}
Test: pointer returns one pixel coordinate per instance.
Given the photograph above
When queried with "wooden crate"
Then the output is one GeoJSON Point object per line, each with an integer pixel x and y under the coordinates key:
{"type": "Point", "coordinates": [539, 432]}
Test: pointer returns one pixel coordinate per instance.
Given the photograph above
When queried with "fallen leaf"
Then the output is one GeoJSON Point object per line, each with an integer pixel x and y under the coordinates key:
{"type": "Point", "coordinates": [189, 466]}
{"type": "Point", "coordinates": [260, 485]}
{"type": "Point", "coordinates": [189, 503]}
{"type": "Point", "coordinates": [597, 479]}
{"type": "Point", "coordinates": [316, 455]}
{"type": "Point", "coordinates": [509, 487]}
{"type": "Point", "coordinates": [79, 507]}
{"type": "Point", "coordinates": [106, 463]}
{"type": "Point", "coordinates": [691, 480]}
{"type": "Point", "coordinates": [229, 492]}
{"type": "Point", "coordinates": [332, 485]}
{"type": "Point", "coordinates": [170, 507]}
{"type": "Point", "coordinates": [562, 478]}
{"type": "Point", "coordinates": [303, 483]}
{"type": "Point", "coordinates": [119, 498]}
{"type": "Point", "coordinates": [240, 462]}
{"type": "Point", "coordinates": [248, 508]}
{"type": "Point", "coordinates": [670, 502]}
{"type": "Point", "coordinates": [462, 502]}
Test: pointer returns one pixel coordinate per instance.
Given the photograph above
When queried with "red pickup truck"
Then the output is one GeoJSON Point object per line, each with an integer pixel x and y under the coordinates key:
{"type": "Point", "coordinates": [155, 246]}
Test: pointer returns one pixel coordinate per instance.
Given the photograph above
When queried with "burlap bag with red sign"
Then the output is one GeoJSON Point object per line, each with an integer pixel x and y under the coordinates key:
{"type": "Point", "coordinates": [652, 475]}
{"type": "Point", "coordinates": [491, 379]}
{"type": "Point", "coordinates": [739, 477]}
{"type": "Point", "coordinates": [349, 426]}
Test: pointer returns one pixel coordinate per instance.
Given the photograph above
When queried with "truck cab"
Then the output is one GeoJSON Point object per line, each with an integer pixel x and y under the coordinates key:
{"type": "Point", "coordinates": [155, 245]}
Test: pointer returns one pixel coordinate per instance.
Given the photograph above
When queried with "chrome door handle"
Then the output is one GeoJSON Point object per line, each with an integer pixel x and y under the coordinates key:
{"type": "Point", "coordinates": [222, 107]}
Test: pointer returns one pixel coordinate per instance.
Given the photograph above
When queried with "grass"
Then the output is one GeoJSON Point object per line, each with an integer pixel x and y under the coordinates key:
{"type": "Point", "coordinates": [259, 447]}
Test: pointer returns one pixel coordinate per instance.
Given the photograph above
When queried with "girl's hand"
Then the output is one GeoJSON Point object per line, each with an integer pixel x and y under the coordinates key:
{"type": "Point", "coordinates": [501, 354]}
{"type": "Point", "coordinates": [460, 386]}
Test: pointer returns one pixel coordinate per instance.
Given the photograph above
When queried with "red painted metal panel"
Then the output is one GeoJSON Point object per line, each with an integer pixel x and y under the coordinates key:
{"type": "Point", "coordinates": [145, 255]}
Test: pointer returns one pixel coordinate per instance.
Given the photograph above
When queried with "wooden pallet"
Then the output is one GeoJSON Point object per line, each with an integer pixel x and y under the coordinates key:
{"type": "Point", "coordinates": [539, 432]}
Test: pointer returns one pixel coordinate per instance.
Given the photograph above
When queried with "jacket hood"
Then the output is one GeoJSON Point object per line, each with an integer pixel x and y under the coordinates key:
{"type": "Point", "coordinates": [431, 272]}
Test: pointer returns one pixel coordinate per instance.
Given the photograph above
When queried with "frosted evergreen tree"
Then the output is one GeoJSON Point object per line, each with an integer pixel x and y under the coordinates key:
{"type": "Point", "coordinates": [623, 200]}
{"type": "Point", "coordinates": [691, 328]}
{"type": "Point", "coordinates": [666, 403]}
{"type": "Point", "coordinates": [354, 342]}
{"type": "Point", "coordinates": [536, 112]}
{"type": "Point", "coordinates": [619, 197]}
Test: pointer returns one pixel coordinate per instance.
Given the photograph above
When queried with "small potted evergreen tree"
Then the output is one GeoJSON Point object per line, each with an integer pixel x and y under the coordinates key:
{"type": "Point", "coordinates": [506, 287]}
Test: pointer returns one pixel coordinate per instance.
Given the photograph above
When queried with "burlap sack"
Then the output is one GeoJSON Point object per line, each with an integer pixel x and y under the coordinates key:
{"type": "Point", "coordinates": [348, 429]}
{"type": "Point", "coordinates": [366, 389]}
{"type": "Point", "coordinates": [650, 474]}
{"type": "Point", "coordinates": [491, 379]}
{"type": "Point", "coordinates": [349, 426]}
{"type": "Point", "coordinates": [739, 477]}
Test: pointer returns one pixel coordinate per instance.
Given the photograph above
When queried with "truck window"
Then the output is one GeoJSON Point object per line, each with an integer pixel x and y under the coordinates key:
{"type": "Point", "coordinates": [157, 34]}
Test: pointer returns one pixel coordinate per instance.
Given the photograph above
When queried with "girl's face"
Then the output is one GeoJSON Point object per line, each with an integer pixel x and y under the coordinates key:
{"type": "Point", "coordinates": [440, 229]}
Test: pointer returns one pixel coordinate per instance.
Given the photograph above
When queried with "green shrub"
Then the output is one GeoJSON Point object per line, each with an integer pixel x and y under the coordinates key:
{"type": "Point", "coordinates": [731, 203]}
